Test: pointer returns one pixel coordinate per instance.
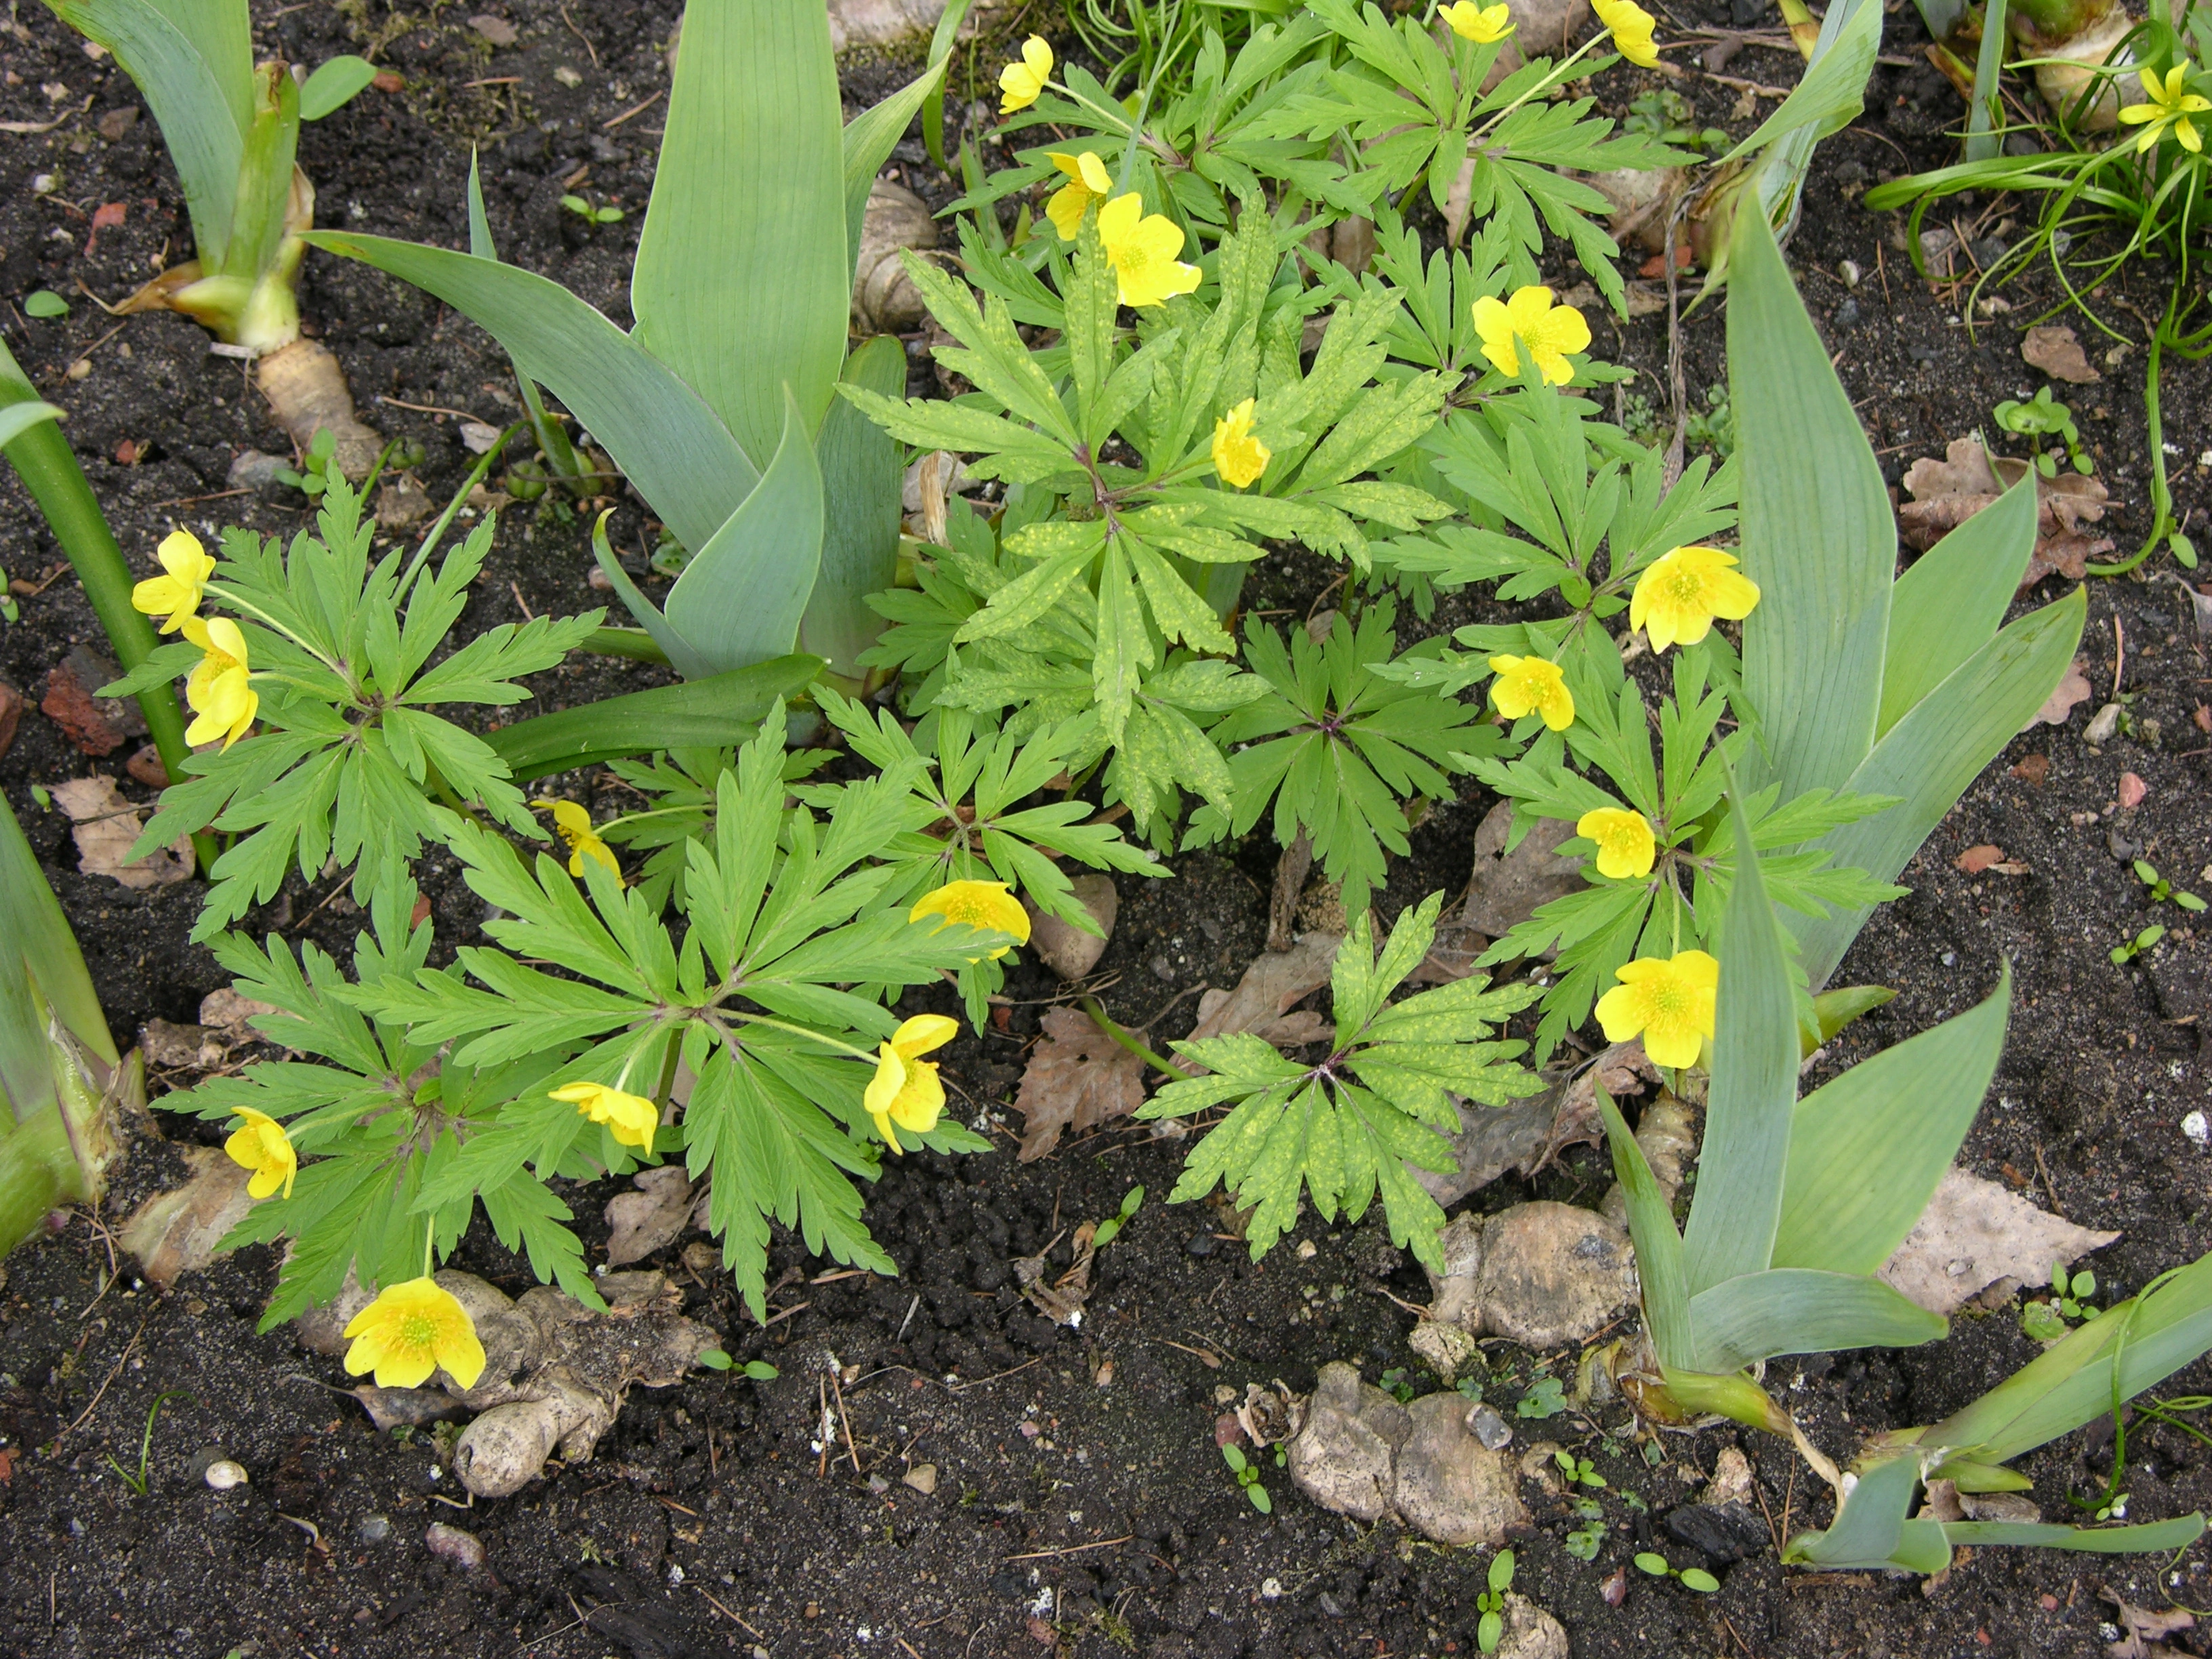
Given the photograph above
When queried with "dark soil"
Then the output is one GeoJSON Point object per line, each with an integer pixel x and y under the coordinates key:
{"type": "Point", "coordinates": [1074, 1505]}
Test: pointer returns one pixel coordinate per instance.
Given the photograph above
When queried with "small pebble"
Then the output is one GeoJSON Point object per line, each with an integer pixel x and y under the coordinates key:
{"type": "Point", "coordinates": [1308, 1249]}
{"type": "Point", "coordinates": [450, 1544]}
{"type": "Point", "coordinates": [222, 1474]}
{"type": "Point", "coordinates": [1271, 1589]}
{"type": "Point", "coordinates": [922, 1477]}
{"type": "Point", "coordinates": [2104, 727]}
{"type": "Point", "coordinates": [1202, 1244]}
{"type": "Point", "coordinates": [2197, 1128]}
{"type": "Point", "coordinates": [1491, 1429]}
{"type": "Point", "coordinates": [373, 1529]}
{"type": "Point", "coordinates": [1849, 270]}
{"type": "Point", "coordinates": [1847, 314]}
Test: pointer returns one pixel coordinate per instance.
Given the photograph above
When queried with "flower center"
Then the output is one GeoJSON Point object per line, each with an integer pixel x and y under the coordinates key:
{"type": "Point", "coordinates": [221, 660]}
{"type": "Point", "coordinates": [418, 1330]}
{"type": "Point", "coordinates": [1686, 587]}
{"type": "Point", "coordinates": [1665, 1001]}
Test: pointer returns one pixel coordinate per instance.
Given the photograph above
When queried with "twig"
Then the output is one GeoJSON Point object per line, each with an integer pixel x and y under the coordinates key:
{"type": "Point", "coordinates": [635, 109]}
{"type": "Point", "coordinates": [515, 588]}
{"type": "Point", "coordinates": [726, 1613]}
{"type": "Point", "coordinates": [1771, 1531]}
{"type": "Point", "coordinates": [962, 1388]}
{"type": "Point", "coordinates": [194, 500]}
{"type": "Point", "coordinates": [911, 1308]}
{"type": "Point", "coordinates": [432, 408]}
{"type": "Point", "coordinates": [796, 1307]}
{"type": "Point", "coordinates": [837, 1384]}
{"type": "Point", "coordinates": [96, 1398]}
{"type": "Point", "coordinates": [822, 1426]}
{"type": "Point", "coordinates": [1072, 1549]}
{"type": "Point", "coordinates": [2120, 657]}
{"type": "Point", "coordinates": [585, 39]}
{"type": "Point", "coordinates": [2044, 1169]}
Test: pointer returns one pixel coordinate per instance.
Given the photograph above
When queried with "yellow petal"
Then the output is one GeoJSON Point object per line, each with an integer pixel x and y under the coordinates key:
{"type": "Point", "coordinates": [922, 1034]}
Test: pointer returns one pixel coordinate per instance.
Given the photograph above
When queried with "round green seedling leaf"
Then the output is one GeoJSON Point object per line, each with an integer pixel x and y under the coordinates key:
{"type": "Point", "coordinates": [1699, 1579]}
{"type": "Point", "coordinates": [45, 302]}
{"type": "Point", "coordinates": [1490, 1633]}
{"type": "Point", "coordinates": [1260, 1501]}
{"type": "Point", "coordinates": [760, 1371]}
{"type": "Point", "coordinates": [715, 1360]}
{"type": "Point", "coordinates": [1501, 1571]}
{"type": "Point", "coordinates": [334, 85]}
{"type": "Point", "coordinates": [1653, 1563]}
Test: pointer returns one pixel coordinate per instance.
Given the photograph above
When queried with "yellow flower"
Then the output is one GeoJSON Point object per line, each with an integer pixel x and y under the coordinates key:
{"type": "Point", "coordinates": [219, 690]}
{"type": "Point", "coordinates": [1527, 685]}
{"type": "Point", "coordinates": [905, 1090]}
{"type": "Point", "coordinates": [1087, 182]}
{"type": "Point", "coordinates": [408, 1332]}
{"type": "Point", "coordinates": [1549, 332]}
{"type": "Point", "coordinates": [263, 1147]}
{"type": "Point", "coordinates": [630, 1118]}
{"type": "Point", "coordinates": [1020, 83]}
{"type": "Point", "coordinates": [177, 595]}
{"type": "Point", "coordinates": [1142, 251]}
{"type": "Point", "coordinates": [574, 826]}
{"type": "Point", "coordinates": [1625, 845]}
{"type": "Point", "coordinates": [1238, 457]}
{"type": "Point", "coordinates": [978, 904]}
{"type": "Point", "coordinates": [1481, 24]}
{"type": "Point", "coordinates": [1632, 30]}
{"type": "Point", "coordinates": [2169, 106]}
{"type": "Point", "coordinates": [1678, 597]}
{"type": "Point", "coordinates": [1671, 1003]}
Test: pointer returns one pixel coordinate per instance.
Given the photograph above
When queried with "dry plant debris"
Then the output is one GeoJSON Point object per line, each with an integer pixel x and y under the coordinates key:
{"type": "Point", "coordinates": [105, 826]}
{"type": "Point", "coordinates": [1974, 1237]}
{"type": "Point", "coordinates": [1947, 493]}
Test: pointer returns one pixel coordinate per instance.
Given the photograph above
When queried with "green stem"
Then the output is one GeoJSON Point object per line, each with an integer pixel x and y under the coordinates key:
{"type": "Point", "coordinates": [1982, 142]}
{"type": "Point", "coordinates": [48, 467]}
{"type": "Point", "coordinates": [2161, 498]}
{"type": "Point", "coordinates": [633, 643]}
{"type": "Point", "coordinates": [39, 1172]}
{"type": "Point", "coordinates": [1127, 1039]}
{"type": "Point", "coordinates": [446, 519]}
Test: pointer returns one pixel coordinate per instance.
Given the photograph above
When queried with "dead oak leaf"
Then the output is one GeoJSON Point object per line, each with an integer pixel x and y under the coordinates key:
{"type": "Point", "coordinates": [2053, 348]}
{"type": "Point", "coordinates": [1077, 1078]}
{"type": "Point", "coordinates": [1973, 1235]}
{"type": "Point", "coordinates": [1975, 860]}
{"type": "Point", "coordinates": [1947, 493]}
{"type": "Point", "coordinates": [2073, 687]}
{"type": "Point", "coordinates": [1273, 984]}
{"type": "Point", "coordinates": [105, 826]}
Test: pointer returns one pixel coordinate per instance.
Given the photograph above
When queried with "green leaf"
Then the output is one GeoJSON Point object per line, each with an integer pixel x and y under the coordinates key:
{"type": "Point", "coordinates": [860, 480]}
{"type": "Point", "coordinates": [739, 600]}
{"type": "Point", "coordinates": [1658, 1246]}
{"type": "Point", "coordinates": [1953, 598]}
{"type": "Point", "coordinates": [1819, 536]}
{"type": "Point", "coordinates": [193, 63]}
{"type": "Point", "coordinates": [44, 303]}
{"type": "Point", "coordinates": [668, 442]}
{"type": "Point", "coordinates": [1744, 1320]}
{"type": "Point", "coordinates": [721, 709]}
{"type": "Point", "coordinates": [333, 85]}
{"type": "Point", "coordinates": [1867, 1150]}
{"type": "Point", "coordinates": [872, 135]}
{"type": "Point", "coordinates": [743, 278]}
{"type": "Point", "coordinates": [2149, 1537]}
{"type": "Point", "coordinates": [1868, 1527]}
{"type": "Point", "coordinates": [1931, 755]}
{"type": "Point", "coordinates": [16, 419]}
{"type": "Point", "coordinates": [1754, 1083]}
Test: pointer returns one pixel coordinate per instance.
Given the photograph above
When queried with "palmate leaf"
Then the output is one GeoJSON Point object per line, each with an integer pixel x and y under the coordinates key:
{"type": "Point", "coordinates": [1338, 750]}
{"type": "Point", "coordinates": [1300, 1127]}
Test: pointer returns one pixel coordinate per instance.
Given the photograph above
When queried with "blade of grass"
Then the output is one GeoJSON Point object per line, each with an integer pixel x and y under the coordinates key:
{"type": "Point", "coordinates": [1799, 1310]}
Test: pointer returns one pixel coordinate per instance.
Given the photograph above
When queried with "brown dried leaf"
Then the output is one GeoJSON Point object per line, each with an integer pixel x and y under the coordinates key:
{"type": "Point", "coordinates": [650, 1218]}
{"type": "Point", "coordinates": [1948, 492]}
{"type": "Point", "coordinates": [2053, 348]}
{"type": "Point", "coordinates": [106, 825]}
{"type": "Point", "coordinates": [1975, 860]}
{"type": "Point", "coordinates": [2074, 687]}
{"type": "Point", "coordinates": [1062, 1299]}
{"type": "Point", "coordinates": [1077, 1078]}
{"type": "Point", "coordinates": [1973, 1235]}
{"type": "Point", "coordinates": [1507, 888]}
{"type": "Point", "coordinates": [2141, 1628]}
{"type": "Point", "coordinates": [1262, 1000]}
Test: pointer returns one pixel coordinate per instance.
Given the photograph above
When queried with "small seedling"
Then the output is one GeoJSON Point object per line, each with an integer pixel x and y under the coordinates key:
{"type": "Point", "coordinates": [1577, 1470]}
{"type": "Point", "coordinates": [139, 1482]}
{"type": "Point", "coordinates": [582, 208]}
{"type": "Point", "coordinates": [9, 608]}
{"type": "Point", "coordinates": [1491, 1631]}
{"type": "Point", "coordinates": [1398, 1383]}
{"type": "Point", "coordinates": [2162, 890]}
{"type": "Point", "coordinates": [2043, 417]}
{"type": "Point", "coordinates": [1584, 1541]}
{"type": "Point", "coordinates": [1696, 1578]}
{"type": "Point", "coordinates": [1111, 1227]}
{"type": "Point", "coordinates": [1634, 1501]}
{"type": "Point", "coordinates": [2046, 1321]}
{"type": "Point", "coordinates": [1469, 1390]}
{"type": "Point", "coordinates": [2124, 954]}
{"type": "Point", "coordinates": [1546, 1397]}
{"type": "Point", "coordinates": [1667, 115]}
{"type": "Point", "coordinates": [312, 478]}
{"type": "Point", "coordinates": [758, 1370]}
{"type": "Point", "coordinates": [1713, 427]}
{"type": "Point", "coordinates": [1249, 1478]}
{"type": "Point", "coordinates": [45, 302]}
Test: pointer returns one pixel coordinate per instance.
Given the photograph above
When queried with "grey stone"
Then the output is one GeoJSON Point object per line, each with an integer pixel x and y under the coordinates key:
{"type": "Point", "coordinates": [1552, 1274]}
{"type": "Point", "coordinates": [1066, 949]}
{"type": "Point", "coordinates": [1531, 1632]}
{"type": "Point", "coordinates": [1451, 1487]}
{"type": "Point", "coordinates": [1345, 1457]}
